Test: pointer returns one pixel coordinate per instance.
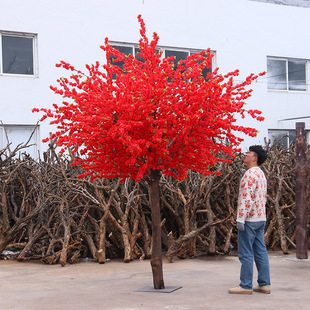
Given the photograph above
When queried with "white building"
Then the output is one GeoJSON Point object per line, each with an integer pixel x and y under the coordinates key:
{"type": "Point", "coordinates": [250, 35]}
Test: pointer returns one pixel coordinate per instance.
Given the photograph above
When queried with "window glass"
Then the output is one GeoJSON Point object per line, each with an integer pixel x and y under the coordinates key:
{"type": "Point", "coordinates": [17, 55]}
{"type": "Point", "coordinates": [137, 50]}
{"type": "Point", "coordinates": [18, 134]}
{"type": "Point", "coordinates": [276, 70]}
{"type": "Point", "coordinates": [1, 138]}
{"type": "Point", "coordinates": [205, 70]}
{"type": "Point", "coordinates": [280, 137]}
{"type": "Point", "coordinates": [127, 50]}
{"type": "Point", "coordinates": [292, 136]}
{"type": "Point", "coordinates": [297, 75]}
{"type": "Point", "coordinates": [179, 55]}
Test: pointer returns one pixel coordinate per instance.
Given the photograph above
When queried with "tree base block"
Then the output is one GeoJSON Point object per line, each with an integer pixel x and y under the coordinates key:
{"type": "Point", "coordinates": [151, 289]}
{"type": "Point", "coordinates": [294, 259]}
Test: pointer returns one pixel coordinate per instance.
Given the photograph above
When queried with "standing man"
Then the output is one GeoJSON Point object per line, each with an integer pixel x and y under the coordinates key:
{"type": "Point", "coordinates": [251, 220]}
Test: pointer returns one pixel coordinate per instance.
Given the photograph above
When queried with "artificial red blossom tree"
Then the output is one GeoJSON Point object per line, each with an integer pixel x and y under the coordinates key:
{"type": "Point", "coordinates": [149, 118]}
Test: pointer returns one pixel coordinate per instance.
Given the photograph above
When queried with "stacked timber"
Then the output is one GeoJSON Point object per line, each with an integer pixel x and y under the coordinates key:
{"type": "Point", "coordinates": [47, 213]}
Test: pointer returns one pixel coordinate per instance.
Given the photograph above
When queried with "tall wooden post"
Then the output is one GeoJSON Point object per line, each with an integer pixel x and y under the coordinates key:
{"type": "Point", "coordinates": [301, 192]}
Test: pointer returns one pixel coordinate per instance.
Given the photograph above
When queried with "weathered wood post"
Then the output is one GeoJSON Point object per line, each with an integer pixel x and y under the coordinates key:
{"type": "Point", "coordinates": [301, 192]}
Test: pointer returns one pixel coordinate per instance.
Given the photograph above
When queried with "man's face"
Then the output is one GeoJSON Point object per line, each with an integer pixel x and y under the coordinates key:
{"type": "Point", "coordinates": [250, 158]}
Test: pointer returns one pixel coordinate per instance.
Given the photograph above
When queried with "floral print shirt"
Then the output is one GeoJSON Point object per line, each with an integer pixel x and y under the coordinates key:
{"type": "Point", "coordinates": [252, 196]}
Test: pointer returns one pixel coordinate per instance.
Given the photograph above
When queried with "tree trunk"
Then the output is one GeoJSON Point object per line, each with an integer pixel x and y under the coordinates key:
{"type": "Point", "coordinates": [156, 259]}
{"type": "Point", "coordinates": [301, 193]}
{"type": "Point", "coordinates": [102, 248]}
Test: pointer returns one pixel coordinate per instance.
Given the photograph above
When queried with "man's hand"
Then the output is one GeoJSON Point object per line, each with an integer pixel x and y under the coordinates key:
{"type": "Point", "coordinates": [240, 226]}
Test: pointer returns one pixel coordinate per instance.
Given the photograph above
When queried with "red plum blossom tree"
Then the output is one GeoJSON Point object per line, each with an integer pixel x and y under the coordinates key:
{"type": "Point", "coordinates": [150, 117]}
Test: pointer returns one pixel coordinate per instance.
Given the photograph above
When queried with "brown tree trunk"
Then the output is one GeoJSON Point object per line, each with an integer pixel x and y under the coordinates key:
{"type": "Point", "coordinates": [156, 259]}
{"type": "Point", "coordinates": [301, 193]}
{"type": "Point", "coordinates": [102, 247]}
{"type": "Point", "coordinates": [66, 242]}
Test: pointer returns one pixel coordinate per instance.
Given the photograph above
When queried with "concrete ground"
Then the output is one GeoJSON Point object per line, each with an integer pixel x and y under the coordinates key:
{"type": "Point", "coordinates": [205, 281]}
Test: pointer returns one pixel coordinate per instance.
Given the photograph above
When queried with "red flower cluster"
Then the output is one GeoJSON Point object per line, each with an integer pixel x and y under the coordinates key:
{"type": "Point", "coordinates": [152, 116]}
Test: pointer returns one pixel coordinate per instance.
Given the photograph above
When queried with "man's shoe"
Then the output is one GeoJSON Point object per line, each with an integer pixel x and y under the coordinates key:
{"type": "Point", "coordinates": [265, 289]}
{"type": "Point", "coordinates": [240, 290]}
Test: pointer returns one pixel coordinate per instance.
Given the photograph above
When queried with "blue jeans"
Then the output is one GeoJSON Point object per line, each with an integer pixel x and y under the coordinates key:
{"type": "Point", "coordinates": [251, 245]}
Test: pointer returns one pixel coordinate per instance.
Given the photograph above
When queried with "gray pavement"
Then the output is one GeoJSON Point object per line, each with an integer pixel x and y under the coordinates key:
{"type": "Point", "coordinates": [205, 281]}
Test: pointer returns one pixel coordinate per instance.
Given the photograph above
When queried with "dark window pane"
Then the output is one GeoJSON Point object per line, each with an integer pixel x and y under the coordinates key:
{"type": "Point", "coordinates": [137, 51]}
{"type": "Point", "coordinates": [123, 49]}
{"type": "Point", "coordinates": [292, 136]}
{"type": "Point", "coordinates": [279, 137]}
{"type": "Point", "coordinates": [17, 55]}
{"type": "Point", "coordinates": [276, 70]}
{"type": "Point", "coordinates": [205, 71]}
{"type": "Point", "coordinates": [297, 75]}
{"type": "Point", "coordinates": [178, 56]}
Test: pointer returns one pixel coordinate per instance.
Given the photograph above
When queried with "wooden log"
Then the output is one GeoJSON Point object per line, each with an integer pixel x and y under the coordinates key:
{"type": "Point", "coordinates": [33, 238]}
{"type": "Point", "coordinates": [301, 193]}
{"type": "Point", "coordinates": [227, 241]}
{"type": "Point", "coordinates": [174, 245]}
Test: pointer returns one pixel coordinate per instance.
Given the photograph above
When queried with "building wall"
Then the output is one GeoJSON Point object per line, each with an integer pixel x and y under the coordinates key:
{"type": "Point", "coordinates": [299, 3]}
{"type": "Point", "coordinates": [241, 32]}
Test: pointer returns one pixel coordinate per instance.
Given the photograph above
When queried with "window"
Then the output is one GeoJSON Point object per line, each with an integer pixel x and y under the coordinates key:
{"type": "Point", "coordinates": [18, 54]}
{"type": "Point", "coordinates": [283, 137]}
{"type": "Point", "coordinates": [17, 134]}
{"type": "Point", "coordinates": [127, 50]}
{"type": "Point", "coordinates": [287, 74]}
{"type": "Point", "coordinates": [183, 54]}
{"type": "Point", "coordinates": [179, 53]}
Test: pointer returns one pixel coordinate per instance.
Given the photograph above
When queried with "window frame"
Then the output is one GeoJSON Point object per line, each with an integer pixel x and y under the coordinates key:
{"type": "Point", "coordinates": [34, 38]}
{"type": "Point", "coordinates": [287, 59]}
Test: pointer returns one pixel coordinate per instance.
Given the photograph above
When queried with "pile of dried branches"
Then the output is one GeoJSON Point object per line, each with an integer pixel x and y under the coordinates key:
{"type": "Point", "coordinates": [47, 213]}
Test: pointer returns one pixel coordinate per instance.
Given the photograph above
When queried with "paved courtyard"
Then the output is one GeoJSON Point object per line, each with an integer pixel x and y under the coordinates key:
{"type": "Point", "coordinates": [113, 285]}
